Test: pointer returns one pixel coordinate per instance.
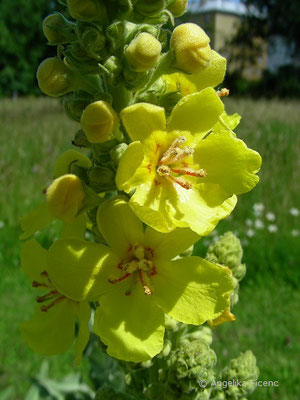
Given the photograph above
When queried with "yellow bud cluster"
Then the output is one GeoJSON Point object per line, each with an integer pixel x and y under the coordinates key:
{"type": "Point", "coordinates": [99, 121]}
{"type": "Point", "coordinates": [65, 197]}
{"type": "Point", "coordinates": [54, 77]}
{"type": "Point", "coordinates": [191, 47]}
{"type": "Point", "coordinates": [143, 52]}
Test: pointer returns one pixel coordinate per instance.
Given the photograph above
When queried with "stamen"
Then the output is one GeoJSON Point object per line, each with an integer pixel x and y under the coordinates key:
{"type": "Point", "coordinates": [113, 281]}
{"type": "Point", "coordinates": [47, 296]}
{"type": "Point", "coordinates": [147, 290]}
{"type": "Point", "coordinates": [181, 182]}
{"type": "Point", "coordinates": [163, 170]}
{"type": "Point", "coordinates": [170, 155]}
{"type": "Point", "coordinates": [185, 152]}
{"type": "Point", "coordinates": [172, 151]}
{"type": "Point", "coordinates": [36, 284]}
{"type": "Point", "coordinates": [57, 300]}
{"type": "Point", "coordinates": [223, 92]}
{"type": "Point", "coordinates": [138, 251]}
{"type": "Point", "coordinates": [200, 173]}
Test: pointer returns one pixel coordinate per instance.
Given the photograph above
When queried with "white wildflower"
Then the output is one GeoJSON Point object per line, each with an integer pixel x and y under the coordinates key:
{"type": "Point", "coordinates": [295, 232]}
{"type": "Point", "coordinates": [249, 222]}
{"type": "Point", "coordinates": [294, 212]}
{"type": "Point", "coordinates": [250, 233]}
{"type": "Point", "coordinates": [259, 224]}
{"type": "Point", "coordinates": [272, 228]}
{"type": "Point", "coordinates": [2, 224]}
{"type": "Point", "coordinates": [270, 216]}
{"type": "Point", "coordinates": [258, 209]}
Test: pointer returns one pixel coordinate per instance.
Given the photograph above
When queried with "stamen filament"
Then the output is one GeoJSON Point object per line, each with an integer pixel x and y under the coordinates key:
{"type": "Point", "coordinates": [147, 290]}
{"type": "Point", "coordinates": [113, 281]}
{"type": "Point", "coordinates": [200, 173]}
{"type": "Point", "coordinates": [36, 284]}
{"type": "Point", "coordinates": [57, 300]}
{"type": "Point", "coordinates": [47, 296]}
{"type": "Point", "coordinates": [181, 182]}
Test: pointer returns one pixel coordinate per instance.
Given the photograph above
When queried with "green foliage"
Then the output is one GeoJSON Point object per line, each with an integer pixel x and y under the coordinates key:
{"type": "Point", "coordinates": [22, 44]}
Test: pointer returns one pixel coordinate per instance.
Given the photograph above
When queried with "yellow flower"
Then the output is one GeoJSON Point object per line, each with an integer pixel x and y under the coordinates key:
{"type": "Point", "coordinates": [143, 52]}
{"type": "Point", "coordinates": [191, 47]}
{"type": "Point", "coordinates": [52, 329]}
{"type": "Point", "coordinates": [184, 173]}
{"type": "Point", "coordinates": [99, 121]}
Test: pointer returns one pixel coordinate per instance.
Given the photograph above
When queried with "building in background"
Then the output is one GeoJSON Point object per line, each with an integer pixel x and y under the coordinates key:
{"type": "Point", "coordinates": [221, 20]}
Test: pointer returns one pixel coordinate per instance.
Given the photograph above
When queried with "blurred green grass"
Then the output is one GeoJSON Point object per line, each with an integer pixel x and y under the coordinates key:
{"type": "Point", "coordinates": [35, 131]}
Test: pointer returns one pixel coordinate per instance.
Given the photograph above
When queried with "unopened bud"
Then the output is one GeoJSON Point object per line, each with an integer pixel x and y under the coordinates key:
{"type": "Point", "coordinates": [65, 197]}
{"type": "Point", "coordinates": [80, 140]}
{"type": "Point", "coordinates": [87, 10]}
{"type": "Point", "coordinates": [93, 40]}
{"type": "Point", "coordinates": [99, 121]}
{"type": "Point", "coordinates": [178, 7]}
{"type": "Point", "coordinates": [68, 160]}
{"type": "Point", "coordinates": [114, 67]}
{"type": "Point", "coordinates": [191, 47]}
{"type": "Point", "coordinates": [148, 7]}
{"type": "Point", "coordinates": [74, 106]}
{"type": "Point", "coordinates": [58, 30]}
{"type": "Point", "coordinates": [143, 52]}
{"type": "Point", "coordinates": [55, 78]}
{"type": "Point", "coordinates": [117, 153]}
{"type": "Point", "coordinates": [101, 179]}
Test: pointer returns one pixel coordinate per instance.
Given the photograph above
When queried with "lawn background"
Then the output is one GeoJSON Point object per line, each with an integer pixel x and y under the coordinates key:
{"type": "Point", "coordinates": [33, 132]}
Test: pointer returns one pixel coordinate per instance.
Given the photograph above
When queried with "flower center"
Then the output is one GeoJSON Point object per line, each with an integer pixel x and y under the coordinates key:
{"type": "Point", "coordinates": [175, 154]}
{"type": "Point", "coordinates": [52, 297]}
{"type": "Point", "coordinates": [140, 266]}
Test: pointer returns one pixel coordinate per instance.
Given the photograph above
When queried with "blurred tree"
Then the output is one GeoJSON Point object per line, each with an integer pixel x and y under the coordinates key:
{"type": "Point", "coordinates": [22, 44]}
{"type": "Point", "coordinates": [276, 17]}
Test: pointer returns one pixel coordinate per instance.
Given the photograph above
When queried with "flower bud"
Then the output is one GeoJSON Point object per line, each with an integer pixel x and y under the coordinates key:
{"type": "Point", "coordinates": [87, 10]}
{"type": "Point", "coordinates": [68, 160]}
{"type": "Point", "coordinates": [55, 78]}
{"type": "Point", "coordinates": [101, 179]}
{"type": "Point", "coordinates": [65, 197]}
{"type": "Point", "coordinates": [93, 40]}
{"type": "Point", "coordinates": [58, 30]}
{"type": "Point", "coordinates": [228, 251]}
{"type": "Point", "coordinates": [148, 7]}
{"type": "Point", "coordinates": [143, 52]}
{"type": "Point", "coordinates": [190, 363]}
{"type": "Point", "coordinates": [244, 369]}
{"type": "Point", "coordinates": [178, 7]}
{"type": "Point", "coordinates": [191, 47]}
{"type": "Point", "coordinates": [80, 140]}
{"type": "Point", "coordinates": [99, 121]}
{"type": "Point", "coordinates": [117, 153]}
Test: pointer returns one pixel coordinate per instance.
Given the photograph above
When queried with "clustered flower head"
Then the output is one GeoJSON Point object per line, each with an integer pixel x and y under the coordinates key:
{"type": "Point", "coordinates": [162, 167]}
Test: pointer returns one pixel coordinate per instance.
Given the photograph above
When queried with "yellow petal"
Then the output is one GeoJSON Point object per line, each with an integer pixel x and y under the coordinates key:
{"type": "Point", "coordinates": [119, 226]}
{"type": "Point", "coordinates": [196, 112]}
{"type": "Point", "coordinates": [52, 332]}
{"type": "Point", "coordinates": [141, 119]}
